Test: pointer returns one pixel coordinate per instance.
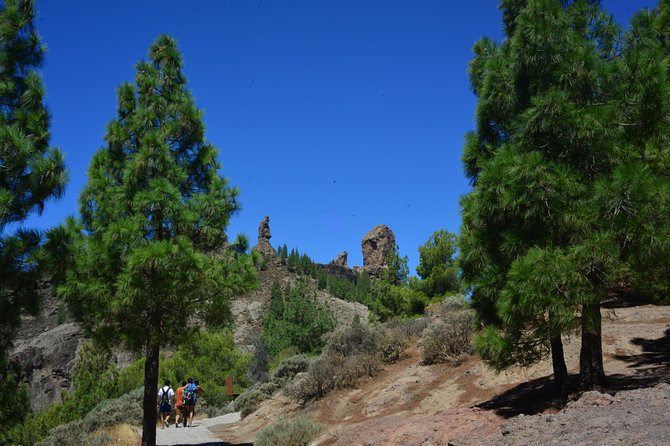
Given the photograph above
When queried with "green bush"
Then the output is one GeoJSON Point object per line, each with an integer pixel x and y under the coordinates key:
{"type": "Point", "coordinates": [294, 432]}
{"type": "Point", "coordinates": [125, 409]}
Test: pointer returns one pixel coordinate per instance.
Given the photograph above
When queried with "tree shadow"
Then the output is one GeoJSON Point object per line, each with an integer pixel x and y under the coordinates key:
{"type": "Point", "coordinates": [649, 368]}
{"type": "Point", "coordinates": [528, 398]}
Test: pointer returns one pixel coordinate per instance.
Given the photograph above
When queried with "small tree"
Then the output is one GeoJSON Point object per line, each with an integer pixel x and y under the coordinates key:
{"type": "Point", "coordinates": [153, 213]}
{"type": "Point", "coordinates": [437, 265]}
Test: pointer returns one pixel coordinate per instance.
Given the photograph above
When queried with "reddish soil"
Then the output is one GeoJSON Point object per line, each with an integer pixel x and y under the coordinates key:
{"type": "Point", "coordinates": [413, 404]}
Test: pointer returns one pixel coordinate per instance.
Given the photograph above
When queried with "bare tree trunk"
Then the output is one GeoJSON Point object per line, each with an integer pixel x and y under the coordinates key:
{"type": "Point", "coordinates": [150, 392]}
{"type": "Point", "coordinates": [560, 369]}
{"type": "Point", "coordinates": [591, 370]}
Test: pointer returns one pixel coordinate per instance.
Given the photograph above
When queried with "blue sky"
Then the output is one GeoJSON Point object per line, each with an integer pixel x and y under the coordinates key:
{"type": "Point", "coordinates": [331, 117]}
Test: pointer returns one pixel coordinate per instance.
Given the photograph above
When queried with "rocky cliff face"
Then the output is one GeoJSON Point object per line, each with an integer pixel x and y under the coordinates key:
{"type": "Point", "coordinates": [46, 352]}
{"type": "Point", "coordinates": [376, 246]}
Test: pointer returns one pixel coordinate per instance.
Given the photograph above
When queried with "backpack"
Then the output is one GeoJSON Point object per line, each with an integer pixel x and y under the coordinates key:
{"type": "Point", "coordinates": [189, 395]}
{"type": "Point", "coordinates": [165, 396]}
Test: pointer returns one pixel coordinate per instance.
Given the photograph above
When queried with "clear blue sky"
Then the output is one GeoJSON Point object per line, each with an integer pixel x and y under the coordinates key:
{"type": "Point", "coordinates": [331, 117]}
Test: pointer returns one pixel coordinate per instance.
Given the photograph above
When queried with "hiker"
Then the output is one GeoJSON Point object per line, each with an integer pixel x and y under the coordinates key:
{"type": "Point", "coordinates": [179, 404]}
{"type": "Point", "coordinates": [198, 391]}
{"type": "Point", "coordinates": [164, 402]}
{"type": "Point", "coordinates": [189, 400]}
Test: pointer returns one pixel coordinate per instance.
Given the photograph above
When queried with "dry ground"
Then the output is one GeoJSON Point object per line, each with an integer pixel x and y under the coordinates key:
{"type": "Point", "coordinates": [413, 404]}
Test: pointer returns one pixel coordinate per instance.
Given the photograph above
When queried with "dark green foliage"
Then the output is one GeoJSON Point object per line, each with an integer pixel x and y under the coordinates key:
{"type": "Point", "coordinates": [125, 409]}
{"type": "Point", "coordinates": [568, 163]}
{"type": "Point", "coordinates": [153, 212]}
{"type": "Point", "coordinates": [14, 399]}
{"type": "Point", "coordinates": [259, 368]}
{"type": "Point", "coordinates": [437, 265]}
{"type": "Point", "coordinates": [296, 319]}
{"type": "Point", "coordinates": [396, 271]}
{"type": "Point", "coordinates": [32, 171]}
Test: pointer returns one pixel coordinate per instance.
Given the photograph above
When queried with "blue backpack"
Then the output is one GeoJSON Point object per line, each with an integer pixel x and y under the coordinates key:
{"type": "Point", "coordinates": [189, 395]}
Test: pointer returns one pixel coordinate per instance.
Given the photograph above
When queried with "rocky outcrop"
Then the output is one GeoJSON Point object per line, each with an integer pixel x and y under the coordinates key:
{"type": "Point", "coordinates": [376, 245]}
{"type": "Point", "coordinates": [47, 362]}
{"type": "Point", "coordinates": [264, 235]}
{"type": "Point", "coordinates": [341, 260]}
{"type": "Point", "coordinates": [249, 310]}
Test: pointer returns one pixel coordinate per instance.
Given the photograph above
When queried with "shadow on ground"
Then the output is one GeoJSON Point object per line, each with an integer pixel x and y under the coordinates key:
{"type": "Point", "coordinates": [649, 368]}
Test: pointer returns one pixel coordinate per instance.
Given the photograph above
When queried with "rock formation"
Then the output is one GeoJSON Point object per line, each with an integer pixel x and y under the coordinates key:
{"type": "Point", "coordinates": [376, 245]}
{"type": "Point", "coordinates": [264, 235]}
{"type": "Point", "coordinates": [341, 260]}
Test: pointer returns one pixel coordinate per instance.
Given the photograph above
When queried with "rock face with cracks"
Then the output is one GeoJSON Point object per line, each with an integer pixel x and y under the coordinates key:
{"type": "Point", "coordinates": [377, 245]}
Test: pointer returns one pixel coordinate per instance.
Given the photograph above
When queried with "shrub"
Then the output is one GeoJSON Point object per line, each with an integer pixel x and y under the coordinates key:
{"type": "Point", "coordinates": [248, 402]}
{"type": "Point", "coordinates": [392, 346]}
{"type": "Point", "coordinates": [288, 368]}
{"type": "Point", "coordinates": [318, 381]}
{"type": "Point", "coordinates": [449, 339]}
{"type": "Point", "coordinates": [126, 409]}
{"type": "Point", "coordinates": [298, 431]}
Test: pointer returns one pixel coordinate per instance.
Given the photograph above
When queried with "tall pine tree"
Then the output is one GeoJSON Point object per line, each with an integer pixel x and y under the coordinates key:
{"type": "Point", "coordinates": [567, 207]}
{"type": "Point", "coordinates": [145, 262]}
{"type": "Point", "coordinates": [31, 172]}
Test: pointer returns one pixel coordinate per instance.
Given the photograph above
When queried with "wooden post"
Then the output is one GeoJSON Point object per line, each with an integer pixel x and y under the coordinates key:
{"type": "Point", "coordinates": [229, 387]}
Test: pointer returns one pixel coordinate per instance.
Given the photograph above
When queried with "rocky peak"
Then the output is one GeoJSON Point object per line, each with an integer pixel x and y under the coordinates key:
{"type": "Point", "coordinates": [341, 260]}
{"type": "Point", "coordinates": [376, 245]}
{"type": "Point", "coordinates": [264, 235]}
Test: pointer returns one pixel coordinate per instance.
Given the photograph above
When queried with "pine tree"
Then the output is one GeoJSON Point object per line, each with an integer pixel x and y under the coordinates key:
{"type": "Point", "coordinates": [437, 265]}
{"type": "Point", "coordinates": [153, 214]}
{"type": "Point", "coordinates": [561, 216]}
{"type": "Point", "coordinates": [32, 172]}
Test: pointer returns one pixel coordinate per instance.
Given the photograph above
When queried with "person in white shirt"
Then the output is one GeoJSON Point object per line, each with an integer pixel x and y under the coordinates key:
{"type": "Point", "coordinates": [164, 402]}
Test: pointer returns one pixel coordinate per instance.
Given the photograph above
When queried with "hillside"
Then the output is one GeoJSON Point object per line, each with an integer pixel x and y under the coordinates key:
{"type": "Point", "coordinates": [412, 404]}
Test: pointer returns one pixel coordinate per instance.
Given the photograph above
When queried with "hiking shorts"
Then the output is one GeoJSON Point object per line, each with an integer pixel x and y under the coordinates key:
{"type": "Point", "coordinates": [179, 410]}
{"type": "Point", "coordinates": [189, 409]}
{"type": "Point", "coordinates": [165, 408]}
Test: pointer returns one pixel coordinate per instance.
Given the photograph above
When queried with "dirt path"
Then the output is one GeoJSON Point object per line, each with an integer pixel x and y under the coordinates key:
{"type": "Point", "coordinates": [198, 434]}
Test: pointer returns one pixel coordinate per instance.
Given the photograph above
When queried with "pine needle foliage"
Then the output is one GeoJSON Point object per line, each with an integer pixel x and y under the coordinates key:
{"type": "Point", "coordinates": [153, 213]}
{"type": "Point", "coordinates": [31, 171]}
{"type": "Point", "coordinates": [569, 167]}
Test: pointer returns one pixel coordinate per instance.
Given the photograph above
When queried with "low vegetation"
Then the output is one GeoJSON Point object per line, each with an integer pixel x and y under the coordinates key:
{"type": "Point", "coordinates": [351, 354]}
{"type": "Point", "coordinates": [297, 431]}
{"type": "Point", "coordinates": [449, 338]}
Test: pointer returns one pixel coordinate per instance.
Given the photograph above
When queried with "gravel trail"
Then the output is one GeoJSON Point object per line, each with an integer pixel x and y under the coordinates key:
{"type": "Point", "coordinates": [198, 434]}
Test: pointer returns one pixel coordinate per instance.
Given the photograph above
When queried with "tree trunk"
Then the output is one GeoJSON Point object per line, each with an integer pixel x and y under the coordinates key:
{"type": "Point", "coordinates": [560, 369]}
{"type": "Point", "coordinates": [591, 370]}
{"type": "Point", "coordinates": [150, 392]}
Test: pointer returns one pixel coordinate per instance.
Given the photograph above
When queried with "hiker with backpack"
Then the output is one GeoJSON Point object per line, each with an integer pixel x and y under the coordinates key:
{"type": "Point", "coordinates": [179, 409]}
{"type": "Point", "coordinates": [164, 402]}
{"type": "Point", "coordinates": [189, 400]}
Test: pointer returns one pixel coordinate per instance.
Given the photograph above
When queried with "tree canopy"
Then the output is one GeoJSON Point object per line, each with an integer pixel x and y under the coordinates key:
{"type": "Point", "coordinates": [567, 164]}
{"type": "Point", "coordinates": [147, 257]}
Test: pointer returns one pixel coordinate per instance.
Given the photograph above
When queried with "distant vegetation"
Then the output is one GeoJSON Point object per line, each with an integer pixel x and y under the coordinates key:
{"type": "Point", "coordinates": [209, 356]}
